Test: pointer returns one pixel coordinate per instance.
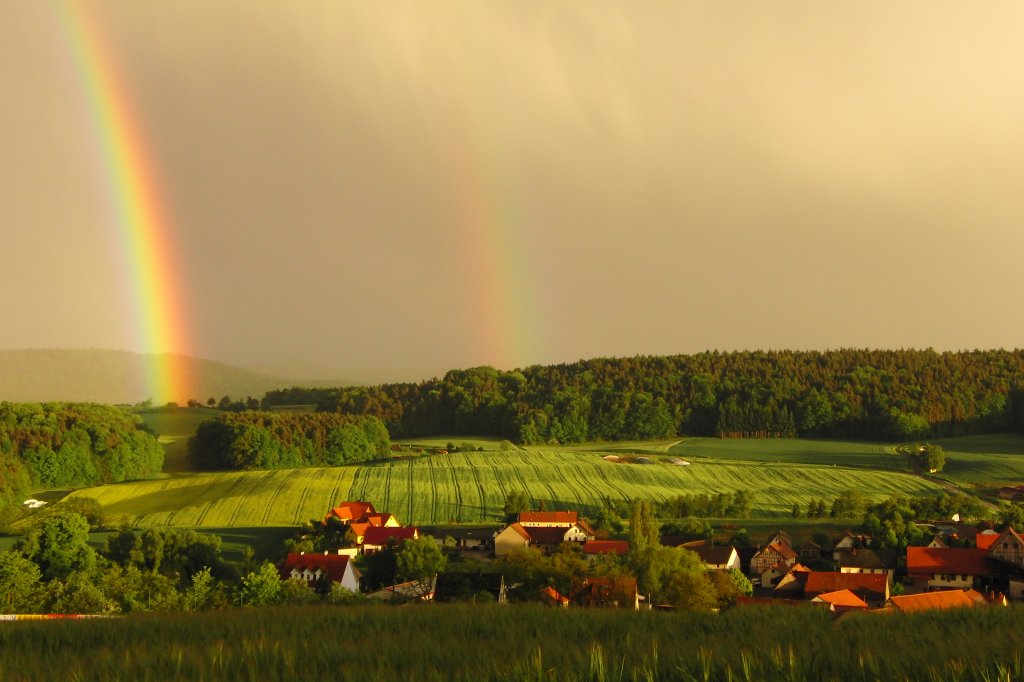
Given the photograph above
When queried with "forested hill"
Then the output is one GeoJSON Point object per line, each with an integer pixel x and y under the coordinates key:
{"type": "Point", "coordinates": [116, 377]}
{"type": "Point", "coordinates": [60, 444]}
{"type": "Point", "coordinates": [872, 394]}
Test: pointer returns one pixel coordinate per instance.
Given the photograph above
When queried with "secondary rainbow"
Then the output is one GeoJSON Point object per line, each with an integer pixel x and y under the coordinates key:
{"type": "Point", "coordinates": [143, 226]}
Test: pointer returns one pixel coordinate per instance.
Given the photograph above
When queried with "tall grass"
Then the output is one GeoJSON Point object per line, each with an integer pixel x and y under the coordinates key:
{"type": "Point", "coordinates": [492, 642]}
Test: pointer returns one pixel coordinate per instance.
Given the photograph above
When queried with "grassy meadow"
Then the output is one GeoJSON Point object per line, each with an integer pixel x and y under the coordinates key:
{"type": "Point", "coordinates": [483, 642]}
{"type": "Point", "coordinates": [174, 429]}
{"type": "Point", "coordinates": [471, 488]}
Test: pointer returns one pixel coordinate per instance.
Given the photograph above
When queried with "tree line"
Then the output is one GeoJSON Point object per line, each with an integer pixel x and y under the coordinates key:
{"type": "Point", "coordinates": [280, 440]}
{"type": "Point", "coordinates": [46, 445]}
{"type": "Point", "coordinates": [848, 393]}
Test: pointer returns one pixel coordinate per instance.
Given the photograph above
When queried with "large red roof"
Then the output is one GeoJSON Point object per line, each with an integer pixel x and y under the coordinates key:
{"type": "Point", "coordinates": [606, 547]}
{"type": "Point", "coordinates": [819, 582]}
{"type": "Point", "coordinates": [352, 511]}
{"type": "Point", "coordinates": [561, 517]}
{"type": "Point", "coordinates": [923, 561]}
{"type": "Point", "coordinates": [946, 599]}
{"type": "Point", "coordinates": [842, 598]}
{"type": "Point", "coordinates": [380, 536]}
{"type": "Point", "coordinates": [333, 565]}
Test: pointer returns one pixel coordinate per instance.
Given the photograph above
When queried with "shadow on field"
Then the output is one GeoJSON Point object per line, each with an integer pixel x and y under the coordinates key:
{"type": "Point", "coordinates": [266, 542]}
{"type": "Point", "coordinates": [173, 499]}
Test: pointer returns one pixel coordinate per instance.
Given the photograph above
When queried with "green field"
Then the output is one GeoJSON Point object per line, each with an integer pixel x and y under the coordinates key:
{"type": "Point", "coordinates": [471, 487]}
{"type": "Point", "coordinates": [174, 429]}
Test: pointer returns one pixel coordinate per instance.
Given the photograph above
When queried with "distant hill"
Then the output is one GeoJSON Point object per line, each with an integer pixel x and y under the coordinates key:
{"type": "Point", "coordinates": [118, 377]}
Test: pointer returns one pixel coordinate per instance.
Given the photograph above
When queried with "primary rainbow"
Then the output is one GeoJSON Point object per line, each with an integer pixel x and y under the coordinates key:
{"type": "Point", "coordinates": [142, 222]}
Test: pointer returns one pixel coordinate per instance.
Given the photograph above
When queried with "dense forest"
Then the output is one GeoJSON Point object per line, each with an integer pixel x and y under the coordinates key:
{"type": "Point", "coordinates": [870, 394]}
{"type": "Point", "coordinates": [268, 440]}
{"type": "Point", "coordinates": [71, 444]}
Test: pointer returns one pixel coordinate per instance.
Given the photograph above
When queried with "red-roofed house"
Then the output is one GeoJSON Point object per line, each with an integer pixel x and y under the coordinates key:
{"type": "Point", "coordinates": [986, 539]}
{"type": "Point", "coordinates": [841, 601]}
{"type": "Point", "coordinates": [383, 520]}
{"type": "Point", "coordinates": [944, 599]}
{"type": "Point", "coordinates": [952, 567]}
{"type": "Point", "coordinates": [717, 558]}
{"type": "Point", "coordinates": [772, 562]}
{"type": "Point", "coordinates": [315, 568]}
{"type": "Point", "coordinates": [510, 538]}
{"type": "Point", "coordinates": [871, 587]}
{"type": "Point", "coordinates": [553, 597]}
{"type": "Point", "coordinates": [515, 536]}
{"type": "Point", "coordinates": [376, 539]}
{"type": "Point", "coordinates": [351, 511]}
{"type": "Point", "coordinates": [595, 547]}
{"type": "Point", "coordinates": [555, 518]}
{"type": "Point", "coordinates": [1008, 546]}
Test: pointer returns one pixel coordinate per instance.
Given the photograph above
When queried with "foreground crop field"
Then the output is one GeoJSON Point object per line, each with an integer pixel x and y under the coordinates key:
{"type": "Point", "coordinates": [463, 642]}
{"type": "Point", "coordinates": [471, 487]}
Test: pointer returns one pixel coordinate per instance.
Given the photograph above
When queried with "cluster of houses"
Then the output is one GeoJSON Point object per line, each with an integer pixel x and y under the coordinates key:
{"type": "Point", "coordinates": [988, 570]}
{"type": "Point", "coordinates": [937, 576]}
{"type": "Point", "coordinates": [369, 531]}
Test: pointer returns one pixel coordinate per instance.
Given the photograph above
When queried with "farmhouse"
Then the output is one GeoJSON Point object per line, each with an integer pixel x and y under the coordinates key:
{"type": "Point", "coordinates": [841, 601]}
{"type": "Point", "coordinates": [772, 561]}
{"type": "Point", "coordinates": [872, 588]}
{"type": "Point", "coordinates": [351, 511]}
{"type": "Point", "coordinates": [377, 539]}
{"type": "Point", "coordinates": [717, 558]}
{"type": "Point", "coordinates": [868, 561]}
{"type": "Point", "coordinates": [545, 530]}
{"type": "Point", "coordinates": [316, 569]}
{"type": "Point", "coordinates": [929, 601]}
{"type": "Point", "coordinates": [951, 567]}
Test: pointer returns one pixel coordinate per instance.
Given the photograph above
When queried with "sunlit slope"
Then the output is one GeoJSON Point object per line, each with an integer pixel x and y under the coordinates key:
{"type": "Point", "coordinates": [471, 487]}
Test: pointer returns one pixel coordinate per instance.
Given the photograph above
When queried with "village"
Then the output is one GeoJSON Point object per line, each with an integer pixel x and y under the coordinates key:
{"type": "Point", "coordinates": [963, 566]}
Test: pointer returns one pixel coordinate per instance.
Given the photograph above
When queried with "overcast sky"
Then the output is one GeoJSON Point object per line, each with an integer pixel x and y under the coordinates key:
{"type": "Point", "coordinates": [395, 189]}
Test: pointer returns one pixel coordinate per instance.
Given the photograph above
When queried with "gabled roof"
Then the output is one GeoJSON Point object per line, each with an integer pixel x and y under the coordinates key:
{"type": "Point", "coordinates": [553, 596]}
{"type": "Point", "coordinates": [546, 535]}
{"type": "Point", "coordinates": [986, 540]}
{"type": "Point", "coordinates": [333, 565]}
{"type": "Point", "coordinates": [785, 550]}
{"type": "Point", "coordinates": [561, 517]}
{"type": "Point", "coordinates": [351, 511]}
{"type": "Point", "coordinates": [379, 520]}
{"type": "Point", "coordinates": [843, 598]}
{"type": "Point", "coordinates": [1008, 532]}
{"type": "Point", "coordinates": [380, 536]}
{"type": "Point", "coordinates": [867, 558]}
{"type": "Point", "coordinates": [606, 547]}
{"type": "Point", "coordinates": [715, 556]}
{"type": "Point", "coordinates": [819, 582]}
{"type": "Point", "coordinates": [517, 529]}
{"type": "Point", "coordinates": [954, 560]}
{"type": "Point", "coordinates": [926, 601]}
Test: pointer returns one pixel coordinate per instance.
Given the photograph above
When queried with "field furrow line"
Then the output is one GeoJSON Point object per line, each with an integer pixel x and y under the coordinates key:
{"type": "Point", "coordinates": [305, 494]}
{"type": "Point", "coordinates": [337, 486]}
{"type": "Point", "coordinates": [603, 473]}
{"type": "Point", "coordinates": [560, 471]}
{"type": "Point", "coordinates": [277, 491]}
{"type": "Point", "coordinates": [217, 500]}
{"type": "Point", "coordinates": [387, 487]}
{"type": "Point", "coordinates": [455, 485]}
{"type": "Point", "coordinates": [479, 484]}
{"type": "Point", "coordinates": [411, 491]}
{"type": "Point", "coordinates": [242, 499]}
{"type": "Point", "coordinates": [433, 492]}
